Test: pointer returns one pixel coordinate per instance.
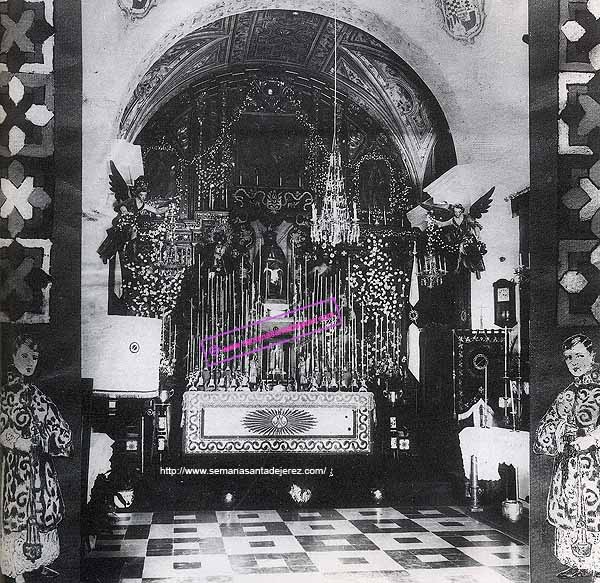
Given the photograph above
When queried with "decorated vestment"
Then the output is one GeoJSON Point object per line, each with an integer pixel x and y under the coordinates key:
{"type": "Point", "coordinates": [30, 485]}
{"type": "Point", "coordinates": [574, 498]}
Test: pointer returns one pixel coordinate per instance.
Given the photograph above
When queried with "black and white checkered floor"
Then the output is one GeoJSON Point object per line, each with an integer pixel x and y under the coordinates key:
{"type": "Point", "coordinates": [380, 545]}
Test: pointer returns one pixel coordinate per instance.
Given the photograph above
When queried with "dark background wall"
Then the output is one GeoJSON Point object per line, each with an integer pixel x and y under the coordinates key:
{"type": "Point", "coordinates": [66, 317]}
{"type": "Point", "coordinates": [548, 373]}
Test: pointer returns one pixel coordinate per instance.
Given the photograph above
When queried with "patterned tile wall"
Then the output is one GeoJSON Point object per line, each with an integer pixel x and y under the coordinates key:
{"type": "Point", "coordinates": [579, 164]}
{"type": "Point", "coordinates": [27, 184]}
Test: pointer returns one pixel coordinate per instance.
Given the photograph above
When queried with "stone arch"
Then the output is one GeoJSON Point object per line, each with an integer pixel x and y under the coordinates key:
{"type": "Point", "coordinates": [391, 36]}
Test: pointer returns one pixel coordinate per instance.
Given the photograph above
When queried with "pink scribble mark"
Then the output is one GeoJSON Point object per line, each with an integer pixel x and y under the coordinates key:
{"type": "Point", "coordinates": [217, 352]}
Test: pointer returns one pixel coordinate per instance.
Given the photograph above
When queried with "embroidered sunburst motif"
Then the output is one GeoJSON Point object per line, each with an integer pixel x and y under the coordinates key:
{"type": "Point", "coordinates": [279, 421]}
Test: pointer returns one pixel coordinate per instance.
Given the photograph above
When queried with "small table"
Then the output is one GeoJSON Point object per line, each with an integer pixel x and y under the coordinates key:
{"type": "Point", "coordinates": [493, 447]}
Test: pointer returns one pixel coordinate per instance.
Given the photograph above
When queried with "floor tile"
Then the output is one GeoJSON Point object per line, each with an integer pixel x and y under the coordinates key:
{"type": "Point", "coordinates": [432, 558]}
{"type": "Point", "coordinates": [405, 541]}
{"type": "Point", "coordinates": [336, 542]}
{"type": "Point", "coordinates": [477, 538]}
{"type": "Point", "coordinates": [449, 524]}
{"type": "Point", "coordinates": [456, 575]}
{"type": "Point", "coordinates": [354, 561]}
{"type": "Point", "coordinates": [430, 512]}
{"type": "Point", "coordinates": [387, 525]}
{"type": "Point", "coordinates": [295, 515]}
{"type": "Point", "coordinates": [519, 574]}
{"type": "Point", "coordinates": [499, 556]}
{"type": "Point", "coordinates": [308, 527]}
{"type": "Point", "coordinates": [371, 545]}
{"type": "Point", "coordinates": [370, 513]}
{"type": "Point", "coordinates": [257, 545]}
{"type": "Point", "coordinates": [157, 567]}
{"type": "Point", "coordinates": [248, 516]}
{"type": "Point", "coordinates": [273, 563]}
{"type": "Point", "coordinates": [254, 529]}
{"type": "Point", "coordinates": [137, 531]}
{"type": "Point", "coordinates": [202, 530]}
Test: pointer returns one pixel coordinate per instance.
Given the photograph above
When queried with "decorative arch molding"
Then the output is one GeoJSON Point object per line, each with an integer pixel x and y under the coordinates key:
{"type": "Point", "coordinates": [363, 58]}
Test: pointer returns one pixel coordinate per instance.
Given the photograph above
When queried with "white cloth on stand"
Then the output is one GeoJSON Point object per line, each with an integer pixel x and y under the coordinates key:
{"type": "Point", "coordinates": [100, 454]}
{"type": "Point", "coordinates": [493, 447]}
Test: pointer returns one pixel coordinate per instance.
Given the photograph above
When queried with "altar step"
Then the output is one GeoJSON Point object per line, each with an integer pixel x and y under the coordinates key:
{"type": "Point", "coordinates": [260, 492]}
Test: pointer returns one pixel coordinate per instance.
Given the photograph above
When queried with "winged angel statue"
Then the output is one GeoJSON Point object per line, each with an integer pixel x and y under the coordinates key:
{"type": "Point", "coordinates": [461, 228]}
{"type": "Point", "coordinates": [130, 202]}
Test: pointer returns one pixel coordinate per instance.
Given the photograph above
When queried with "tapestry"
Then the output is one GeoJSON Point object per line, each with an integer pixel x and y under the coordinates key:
{"type": "Point", "coordinates": [26, 160]}
{"type": "Point", "coordinates": [579, 165]}
{"type": "Point", "coordinates": [477, 362]}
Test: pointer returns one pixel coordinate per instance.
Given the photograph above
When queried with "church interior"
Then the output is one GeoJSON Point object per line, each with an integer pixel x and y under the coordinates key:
{"type": "Point", "coordinates": [305, 300]}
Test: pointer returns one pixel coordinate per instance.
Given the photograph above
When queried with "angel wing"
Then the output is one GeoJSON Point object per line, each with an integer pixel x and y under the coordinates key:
{"type": "Point", "coordinates": [118, 186]}
{"type": "Point", "coordinates": [440, 212]}
{"type": "Point", "coordinates": [481, 205]}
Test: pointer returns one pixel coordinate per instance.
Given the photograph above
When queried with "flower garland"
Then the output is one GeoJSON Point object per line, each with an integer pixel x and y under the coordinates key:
{"type": "Point", "coordinates": [400, 190]}
{"type": "Point", "coordinates": [149, 291]}
{"type": "Point", "coordinates": [434, 239]}
{"type": "Point", "coordinates": [377, 279]}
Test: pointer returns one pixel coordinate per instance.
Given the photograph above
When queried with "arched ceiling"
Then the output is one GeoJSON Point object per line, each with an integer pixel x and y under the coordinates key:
{"type": "Point", "coordinates": [369, 73]}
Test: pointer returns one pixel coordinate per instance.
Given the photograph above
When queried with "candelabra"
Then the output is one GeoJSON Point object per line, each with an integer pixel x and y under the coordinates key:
{"type": "Point", "coordinates": [432, 269]}
{"type": "Point", "coordinates": [334, 225]}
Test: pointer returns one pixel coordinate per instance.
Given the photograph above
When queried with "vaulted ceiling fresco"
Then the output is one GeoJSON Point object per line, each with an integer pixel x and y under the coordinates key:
{"type": "Point", "coordinates": [369, 73]}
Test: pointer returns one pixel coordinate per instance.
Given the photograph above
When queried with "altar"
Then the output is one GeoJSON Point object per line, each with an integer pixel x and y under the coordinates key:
{"type": "Point", "coordinates": [303, 422]}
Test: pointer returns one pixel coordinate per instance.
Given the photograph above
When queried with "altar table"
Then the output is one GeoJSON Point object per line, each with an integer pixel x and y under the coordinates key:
{"type": "Point", "coordinates": [493, 447]}
{"type": "Point", "coordinates": [307, 422]}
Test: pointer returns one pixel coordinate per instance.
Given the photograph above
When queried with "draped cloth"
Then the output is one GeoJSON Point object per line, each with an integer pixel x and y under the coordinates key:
{"type": "Point", "coordinates": [573, 506]}
{"type": "Point", "coordinates": [30, 484]}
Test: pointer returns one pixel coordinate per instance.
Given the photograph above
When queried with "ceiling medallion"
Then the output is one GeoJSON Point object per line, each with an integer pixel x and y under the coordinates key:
{"type": "Point", "coordinates": [462, 19]}
{"type": "Point", "coordinates": [136, 9]}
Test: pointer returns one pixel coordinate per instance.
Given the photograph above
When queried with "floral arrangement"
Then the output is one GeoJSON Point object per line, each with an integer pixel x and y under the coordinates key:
{"type": "Point", "coordinates": [377, 278]}
{"type": "Point", "coordinates": [167, 365]}
{"type": "Point", "coordinates": [149, 290]}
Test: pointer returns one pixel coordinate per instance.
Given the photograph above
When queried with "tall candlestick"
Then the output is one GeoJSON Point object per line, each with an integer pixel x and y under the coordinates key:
{"type": "Point", "coordinates": [506, 371]}
{"type": "Point", "coordinates": [362, 340]}
{"type": "Point", "coordinates": [485, 389]}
